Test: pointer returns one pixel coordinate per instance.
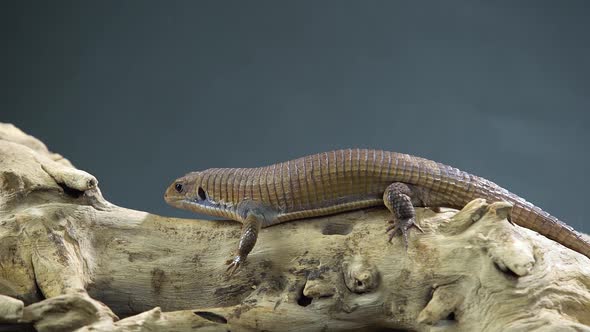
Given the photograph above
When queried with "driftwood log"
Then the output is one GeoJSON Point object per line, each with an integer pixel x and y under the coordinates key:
{"type": "Point", "coordinates": [70, 260]}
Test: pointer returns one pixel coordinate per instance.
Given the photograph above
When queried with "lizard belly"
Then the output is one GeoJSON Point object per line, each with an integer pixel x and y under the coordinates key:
{"type": "Point", "coordinates": [348, 203]}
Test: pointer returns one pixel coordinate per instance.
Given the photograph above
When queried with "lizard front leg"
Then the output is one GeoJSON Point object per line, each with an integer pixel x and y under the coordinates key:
{"type": "Point", "coordinates": [400, 200]}
{"type": "Point", "coordinates": [250, 230]}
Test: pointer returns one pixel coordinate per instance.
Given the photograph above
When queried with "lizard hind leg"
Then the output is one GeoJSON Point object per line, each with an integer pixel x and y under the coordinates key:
{"type": "Point", "coordinates": [398, 199]}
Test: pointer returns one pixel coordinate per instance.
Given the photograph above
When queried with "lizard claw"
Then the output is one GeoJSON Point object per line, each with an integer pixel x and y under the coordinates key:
{"type": "Point", "coordinates": [402, 226]}
{"type": "Point", "coordinates": [392, 229]}
{"type": "Point", "coordinates": [234, 264]}
{"type": "Point", "coordinates": [418, 227]}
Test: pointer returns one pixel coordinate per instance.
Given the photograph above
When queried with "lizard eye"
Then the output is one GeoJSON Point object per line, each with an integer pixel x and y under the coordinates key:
{"type": "Point", "coordinates": [178, 187]}
{"type": "Point", "coordinates": [201, 193]}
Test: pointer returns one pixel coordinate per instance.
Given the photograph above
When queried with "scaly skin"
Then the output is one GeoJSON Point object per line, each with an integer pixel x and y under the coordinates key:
{"type": "Point", "coordinates": [344, 180]}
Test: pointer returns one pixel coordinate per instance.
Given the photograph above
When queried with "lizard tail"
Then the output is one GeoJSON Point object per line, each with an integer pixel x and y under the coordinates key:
{"type": "Point", "coordinates": [532, 217]}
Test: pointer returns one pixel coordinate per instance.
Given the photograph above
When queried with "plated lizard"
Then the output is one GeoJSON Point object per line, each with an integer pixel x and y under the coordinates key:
{"type": "Point", "coordinates": [344, 180]}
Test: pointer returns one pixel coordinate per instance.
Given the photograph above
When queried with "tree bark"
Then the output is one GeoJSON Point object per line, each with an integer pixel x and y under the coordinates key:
{"type": "Point", "coordinates": [71, 260]}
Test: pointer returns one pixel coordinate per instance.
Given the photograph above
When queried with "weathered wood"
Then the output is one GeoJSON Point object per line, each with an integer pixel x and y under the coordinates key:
{"type": "Point", "coordinates": [63, 248]}
{"type": "Point", "coordinates": [11, 309]}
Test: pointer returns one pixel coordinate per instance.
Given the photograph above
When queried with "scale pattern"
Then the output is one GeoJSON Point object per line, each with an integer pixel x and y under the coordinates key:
{"type": "Point", "coordinates": [349, 179]}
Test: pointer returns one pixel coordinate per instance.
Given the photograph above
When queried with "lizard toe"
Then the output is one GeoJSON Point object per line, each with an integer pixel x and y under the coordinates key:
{"type": "Point", "coordinates": [402, 226]}
{"type": "Point", "coordinates": [233, 265]}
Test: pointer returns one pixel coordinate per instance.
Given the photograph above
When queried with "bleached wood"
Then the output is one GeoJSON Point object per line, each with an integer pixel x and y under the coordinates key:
{"type": "Point", "coordinates": [63, 248]}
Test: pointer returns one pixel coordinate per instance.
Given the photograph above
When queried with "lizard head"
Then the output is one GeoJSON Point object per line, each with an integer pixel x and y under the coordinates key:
{"type": "Point", "coordinates": [189, 193]}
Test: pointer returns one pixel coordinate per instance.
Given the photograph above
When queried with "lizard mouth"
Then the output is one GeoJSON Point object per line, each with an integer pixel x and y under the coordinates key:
{"type": "Point", "coordinates": [174, 201]}
{"type": "Point", "coordinates": [184, 203]}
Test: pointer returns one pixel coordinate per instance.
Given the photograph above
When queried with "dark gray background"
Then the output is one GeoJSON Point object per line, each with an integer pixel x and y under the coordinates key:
{"type": "Point", "coordinates": [138, 92]}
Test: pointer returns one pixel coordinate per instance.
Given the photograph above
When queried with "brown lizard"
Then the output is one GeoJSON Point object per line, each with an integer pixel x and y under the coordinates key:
{"type": "Point", "coordinates": [344, 180]}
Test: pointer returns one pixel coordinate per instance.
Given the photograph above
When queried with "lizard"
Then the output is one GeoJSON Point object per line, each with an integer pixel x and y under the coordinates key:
{"type": "Point", "coordinates": [344, 180]}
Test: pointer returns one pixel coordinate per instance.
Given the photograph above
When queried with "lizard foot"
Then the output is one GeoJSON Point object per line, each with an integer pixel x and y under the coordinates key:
{"type": "Point", "coordinates": [403, 226]}
{"type": "Point", "coordinates": [234, 264]}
